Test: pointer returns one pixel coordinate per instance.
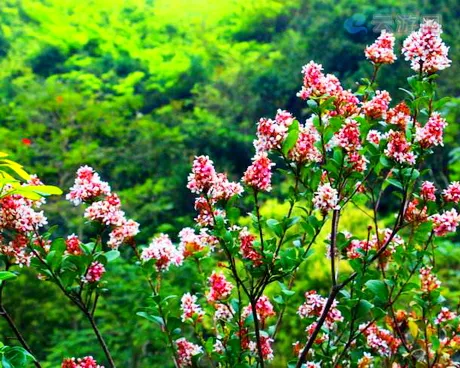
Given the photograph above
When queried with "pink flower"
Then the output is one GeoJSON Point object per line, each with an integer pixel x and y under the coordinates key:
{"type": "Point", "coordinates": [399, 115]}
{"type": "Point", "coordinates": [326, 198]}
{"type": "Point", "coordinates": [87, 187]}
{"type": "Point", "coordinates": [16, 249]}
{"type": "Point", "coordinates": [425, 49]}
{"type": "Point", "coordinates": [206, 213]}
{"type": "Point", "coordinates": [224, 189]}
{"type": "Point", "coordinates": [95, 272]}
{"type": "Point", "coordinates": [415, 214]}
{"type": "Point", "coordinates": [190, 309]}
{"type": "Point", "coordinates": [127, 230]}
{"type": "Point", "coordinates": [348, 137]}
{"type": "Point", "coordinates": [86, 362]}
{"type": "Point", "coordinates": [163, 251]}
{"type": "Point", "coordinates": [374, 136]}
{"type": "Point", "coordinates": [220, 287]}
{"type": "Point", "coordinates": [452, 192]}
{"type": "Point", "coordinates": [247, 247]}
{"type": "Point", "coordinates": [313, 308]}
{"type": "Point", "coordinates": [444, 316]}
{"type": "Point", "coordinates": [316, 84]}
{"type": "Point", "coordinates": [378, 106]}
{"type": "Point", "coordinates": [205, 180]}
{"type": "Point", "coordinates": [73, 245]}
{"type": "Point", "coordinates": [267, 351]}
{"type": "Point", "coordinates": [380, 339]}
{"type": "Point", "coordinates": [305, 151]}
{"type": "Point", "coordinates": [223, 312]}
{"type": "Point", "coordinates": [264, 309]}
{"type": "Point", "coordinates": [186, 351]}
{"type": "Point", "coordinates": [366, 361]}
{"type": "Point", "coordinates": [357, 161]}
{"type": "Point", "coordinates": [202, 176]}
{"type": "Point", "coordinates": [427, 191]}
{"type": "Point", "coordinates": [432, 133]}
{"type": "Point", "coordinates": [429, 282]}
{"type": "Point", "coordinates": [381, 51]}
{"type": "Point", "coordinates": [107, 211]}
{"type": "Point", "coordinates": [446, 222]}
{"type": "Point", "coordinates": [259, 174]}
{"type": "Point", "coordinates": [272, 133]}
{"type": "Point", "coordinates": [399, 149]}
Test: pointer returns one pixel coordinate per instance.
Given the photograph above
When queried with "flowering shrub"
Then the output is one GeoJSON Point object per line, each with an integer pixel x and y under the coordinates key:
{"type": "Point", "coordinates": [356, 148]}
{"type": "Point", "coordinates": [384, 306]}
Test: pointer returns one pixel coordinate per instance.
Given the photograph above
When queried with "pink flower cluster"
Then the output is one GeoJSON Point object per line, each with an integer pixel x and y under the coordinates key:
{"type": "Point", "coordinates": [432, 133]}
{"type": "Point", "coordinates": [73, 245]}
{"type": "Point", "coordinates": [399, 115]}
{"type": "Point", "coordinates": [272, 133]}
{"type": "Point", "coordinates": [452, 192]}
{"type": "Point", "coordinates": [105, 206]}
{"type": "Point", "coordinates": [186, 351]}
{"type": "Point", "coordinates": [18, 213]}
{"type": "Point", "coordinates": [220, 288]}
{"type": "Point", "coordinates": [445, 222]}
{"type": "Point", "coordinates": [366, 361]}
{"type": "Point", "coordinates": [381, 51]}
{"type": "Point", "coordinates": [163, 251]}
{"type": "Point", "coordinates": [212, 187]}
{"type": "Point", "coordinates": [259, 174]}
{"type": "Point", "coordinates": [267, 350]}
{"type": "Point", "coordinates": [86, 362]}
{"type": "Point", "coordinates": [316, 84]}
{"type": "Point", "coordinates": [87, 187]}
{"type": "Point", "coordinates": [425, 48]}
{"type": "Point", "coordinates": [191, 243]}
{"type": "Point", "coordinates": [19, 216]}
{"type": "Point", "coordinates": [380, 339]}
{"type": "Point", "coordinates": [399, 149]}
{"type": "Point", "coordinates": [358, 248]}
{"type": "Point", "coordinates": [427, 191]}
{"type": "Point", "coordinates": [247, 247]}
{"type": "Point", "coordinates": [445, 315]}
{"type": "Point", "coordinates": [374, 136]}
{"type": "Point", "coordinates": [313, 308]}
{"type": "Point", "coordinates": [378, 106]}
{"type": "Point", "coordinates": [205, 180]}
{"type": "Point", "coordinates": [190, 309]}
{"type": "Point", "coordinates": [305, 150]}
{"type": "Point", "coordinates": [429, 281]}
{"type": "Point", "coordinates": [223, 312]}
{"type": "Point", "coordinates": [264, 310]}
{"type": "Point", "coordinates": [95, 272]}
{"type": "Point", "coordinates": [326, 198]}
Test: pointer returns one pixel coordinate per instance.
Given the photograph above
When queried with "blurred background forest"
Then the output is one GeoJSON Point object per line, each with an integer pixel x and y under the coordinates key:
{"type": "Point", "coordinates": [136, 88]}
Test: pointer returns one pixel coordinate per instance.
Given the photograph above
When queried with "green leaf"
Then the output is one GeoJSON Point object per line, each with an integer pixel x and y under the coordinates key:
{"type": "Point", "coordinates": [378, 288]}
{"type": "Point", "coordinates": [152, 318]}
{"type": "Point", "coordinates": [112, 255]}
{"type": "Point", "coordinates": [291, 139]}
{"type": "Point", "coordinates": [6, 275]}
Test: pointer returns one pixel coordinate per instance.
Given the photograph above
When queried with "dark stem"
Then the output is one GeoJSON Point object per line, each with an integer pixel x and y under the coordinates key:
{"type": "Point", "coordinates": [4, 313]}
{"type": "Point", "coordinates": [257, 331]}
